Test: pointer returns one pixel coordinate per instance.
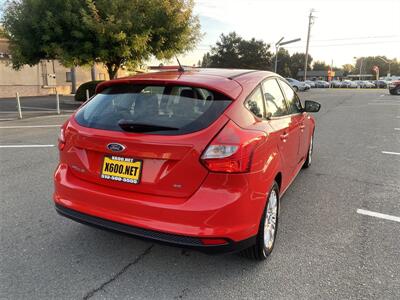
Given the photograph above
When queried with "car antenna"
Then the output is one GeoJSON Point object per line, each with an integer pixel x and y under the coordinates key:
{"type": "Point", "coordinates": [181, 69]}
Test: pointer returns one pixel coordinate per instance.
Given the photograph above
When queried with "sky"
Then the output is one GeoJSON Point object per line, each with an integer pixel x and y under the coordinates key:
{"type": "Point", "coordinates": [342, 29]}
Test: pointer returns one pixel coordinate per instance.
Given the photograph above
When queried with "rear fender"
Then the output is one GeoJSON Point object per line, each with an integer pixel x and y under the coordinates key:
{"type": "Point", "coordinates": [266, 176]}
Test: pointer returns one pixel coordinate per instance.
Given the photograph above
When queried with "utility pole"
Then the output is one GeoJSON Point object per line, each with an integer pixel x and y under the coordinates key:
{"type": "Point", "coordinates": [310, 22]}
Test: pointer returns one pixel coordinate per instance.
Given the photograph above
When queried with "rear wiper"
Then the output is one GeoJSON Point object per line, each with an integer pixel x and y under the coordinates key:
{"type": "Point", "coordinates": [132, 126]}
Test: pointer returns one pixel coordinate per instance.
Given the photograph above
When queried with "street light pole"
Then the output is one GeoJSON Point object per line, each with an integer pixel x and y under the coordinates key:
{"type": "Point", "coordinates": [277, 45]}
{"type": "Point", "coordinates": [361, 64]}
{"type": "Point", "coordinates": [276, 53]}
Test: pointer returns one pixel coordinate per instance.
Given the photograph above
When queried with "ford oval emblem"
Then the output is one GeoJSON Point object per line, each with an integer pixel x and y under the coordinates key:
{"type": "Point", "coordinates": [115, 147]}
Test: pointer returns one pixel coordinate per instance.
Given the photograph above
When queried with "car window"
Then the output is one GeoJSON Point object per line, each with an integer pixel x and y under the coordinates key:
{"type": "Point", "coordinates": [274, 99]}
{"type": "Point", "coordinates": [166, 110]}
{"type": "Point", "coordinates": [255, 103]}
{"type": "Point", "coordinates": [293, 101]}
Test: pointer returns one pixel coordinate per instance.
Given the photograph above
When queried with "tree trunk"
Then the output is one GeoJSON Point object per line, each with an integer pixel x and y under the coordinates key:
{"type": "Point", "coordinates": [73, 80]}
{"type": "Point", "coordinates": [93, 72]}
{"type": "Point", "coordinates": [112, 70]}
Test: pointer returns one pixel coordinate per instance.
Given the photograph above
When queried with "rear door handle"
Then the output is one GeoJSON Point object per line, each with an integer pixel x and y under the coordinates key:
{"type": "Point", "coordinates": [284, 136]}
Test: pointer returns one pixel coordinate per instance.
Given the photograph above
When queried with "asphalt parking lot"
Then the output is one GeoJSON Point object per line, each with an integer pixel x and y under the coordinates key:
{"type": "Point", "coordinates": [331, 243]}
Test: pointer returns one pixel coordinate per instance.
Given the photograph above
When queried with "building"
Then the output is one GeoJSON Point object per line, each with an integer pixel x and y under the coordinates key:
{"type": "Point", "coordinates": [45, 78]}
{"type": "Point", "coordinates": [319, 75]}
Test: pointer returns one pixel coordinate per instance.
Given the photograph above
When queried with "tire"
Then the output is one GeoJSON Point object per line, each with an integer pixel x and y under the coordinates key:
{"type": "Point", "coordinates": [395, 91]}
{"type": "Point", "coordinates": [262, 249]}
{"type": "Point", "coordinates": [296, 89]}
{"type": "Point", "coordinates": [308, 160]}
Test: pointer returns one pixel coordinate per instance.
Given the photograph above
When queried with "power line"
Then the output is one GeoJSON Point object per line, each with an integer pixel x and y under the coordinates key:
{"type": "Point", "coordinates": [358, 38]}
{"type": "Point", "coordinates": [350, 44]}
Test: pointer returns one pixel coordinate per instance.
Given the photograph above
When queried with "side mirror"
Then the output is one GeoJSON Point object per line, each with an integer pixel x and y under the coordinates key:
{"type": "Point", "coordinates": [311, 106]}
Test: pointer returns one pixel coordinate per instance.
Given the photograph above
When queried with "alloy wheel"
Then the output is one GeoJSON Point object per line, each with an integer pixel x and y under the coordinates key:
{"type": "Point", "coordinates": [270, 220]}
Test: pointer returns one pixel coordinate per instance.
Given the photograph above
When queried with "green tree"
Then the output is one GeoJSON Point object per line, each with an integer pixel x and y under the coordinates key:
{"type": "Point", "coordinates": [297, 61]}
{"type": "Point", "coordinates": [115, 33]}
{"type": "Point", "coordinates": [254, 54]}
{"type": "Point", "coordinates": [283, 67]}
{"type": "Point", "coordinates": [206, 61]}
{"type": "Point", "coordinates": [348, 69]}
{"type": "Point", "coordinates": [320, 66]}
{"type": "Point", "coordinates": [232, 51]}
{"type": "Point", "coordinates": [367, 63]}
{"type": "Point", "coordinates": [395, 67]}
{"type": "Point", "coordinates": [2, 33]}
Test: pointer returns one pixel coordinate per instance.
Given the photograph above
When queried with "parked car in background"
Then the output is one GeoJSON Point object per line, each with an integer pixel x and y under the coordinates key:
{"type": "Point", "coordinates": [360, 83]}
{"type": "Point", "coordinates": [391, 78]}
{"type": "Point", "coordinates": [394, 87]}
{"type": "Point", "coordinates": [310, 83]}
{"type": "Point", "coordinates": [381, 84]}
{"type": "Point", "coordinates": [242, 135]}
{"type": "Point", "coordinates": [297, 85]}
{"type": "Point", "coordinates": [336, 83]}
{"type": "Point", "coordinates": [368, 84]}
{"type": "Point", "coordinates": [321, 84]}
{"type": "Point", "coordinates": [349, 84]}
{"type": "Point", "coordinates": [364, 84]}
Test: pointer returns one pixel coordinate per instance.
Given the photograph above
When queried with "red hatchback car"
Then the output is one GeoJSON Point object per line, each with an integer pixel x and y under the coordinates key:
{"type": "Point", "coordinates": [196, 158]}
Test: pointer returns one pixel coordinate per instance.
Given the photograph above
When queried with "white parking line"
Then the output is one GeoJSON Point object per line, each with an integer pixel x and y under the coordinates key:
{"type": "Point", "coordinates": [378, 215]}
{"type": "Point", "coordinates": [385, 103]}
{"type": "Point", "coordinates": [392, 153]}
{"type": "Point", "coordinates": [385, 100]}
{"type": "Point", "coordinates": [29, 126]}
{"type": "Point", "coordinates": [36, 111]}
{"type": "Point", "coordinates": [53, 116]}
{"type": "Point", "coordinates": [26, 146]}
{"type": "Point", "coordinates": [397, 129]}
{"type": "Point", "coordinates": [38, 108]}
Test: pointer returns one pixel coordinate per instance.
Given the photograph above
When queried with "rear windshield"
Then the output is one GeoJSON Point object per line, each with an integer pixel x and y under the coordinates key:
{"type": "Point", "coordinates": [166, 110]}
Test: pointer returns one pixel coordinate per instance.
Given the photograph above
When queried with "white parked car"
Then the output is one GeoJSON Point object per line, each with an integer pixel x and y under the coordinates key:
{"type": "Point", "coordinates": [310, 83]}
{"type": "Point", "coordinates": [297, 85]}
{"type": "Point", "coordinates": [322, 84]}
{"type": "Point", "coordinates": [349, 84]}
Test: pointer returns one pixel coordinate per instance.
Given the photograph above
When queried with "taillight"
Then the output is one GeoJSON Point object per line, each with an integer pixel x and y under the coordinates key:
{"type": "Point", "coordinates": [232, 149]}
{"type": "Point", "coordinates": [61, 139]}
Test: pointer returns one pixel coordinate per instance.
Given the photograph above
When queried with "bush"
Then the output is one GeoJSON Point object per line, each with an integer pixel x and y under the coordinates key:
{"type": "Point", "coordinates": [81, 91]}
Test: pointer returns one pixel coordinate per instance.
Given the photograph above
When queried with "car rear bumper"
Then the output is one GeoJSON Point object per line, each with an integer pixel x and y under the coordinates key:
{"type": "Point", "coordinates": [155, 236]}
{"type": "Point", "coordinates": [230, 211]}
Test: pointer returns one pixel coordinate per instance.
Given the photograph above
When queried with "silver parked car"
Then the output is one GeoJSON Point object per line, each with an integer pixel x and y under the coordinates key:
{"type": "Point", "coordinates": [336, 84]}
{"type": "Point", "coordinates": [349, 84]}
{"type": "Point", "coordinates": [321, 84]}
{"type": "Point", "coordinates": [297, 85]}
{"type": "Point", "coordinates": [310, 83]}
